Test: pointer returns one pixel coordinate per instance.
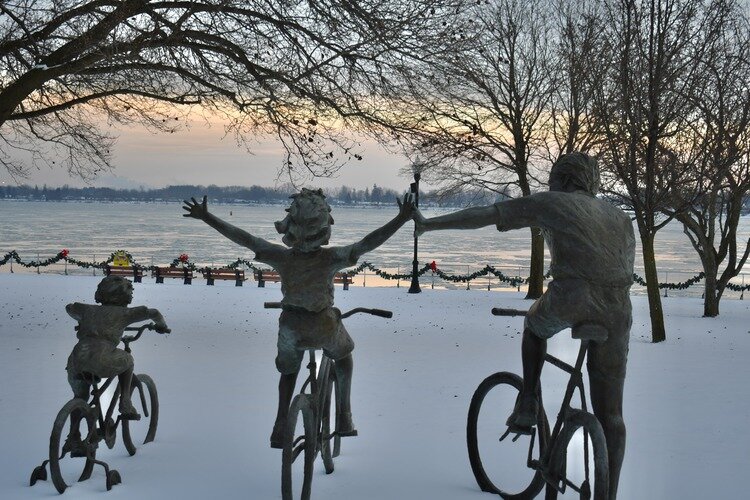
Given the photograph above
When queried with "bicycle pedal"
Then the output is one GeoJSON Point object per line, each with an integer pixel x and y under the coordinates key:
{"type": "Point", "coordinates": [517, 432]}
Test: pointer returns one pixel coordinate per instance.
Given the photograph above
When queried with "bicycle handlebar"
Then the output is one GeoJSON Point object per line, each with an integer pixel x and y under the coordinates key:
{"type": "Point", "coordinates": [375, 312]}
{"type": "Point", "coordinates": [140, 329]}
{"type": "Point", "coordinates": [499, 311]}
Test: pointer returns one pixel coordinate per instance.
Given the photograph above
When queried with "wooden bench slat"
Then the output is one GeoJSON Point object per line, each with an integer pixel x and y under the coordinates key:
{"type": "Point", "coordinates": [125, 271]}
{"type": "Point", "coordinates": [263, 275]}
{"type": "Point", "coordinates": [224, 273]}
{"type": "Point", "coordinates": [172, 272]}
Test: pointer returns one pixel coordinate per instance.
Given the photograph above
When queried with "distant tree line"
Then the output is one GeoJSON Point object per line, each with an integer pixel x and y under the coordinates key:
{"type": "Point", "coordinates": [344, 195]}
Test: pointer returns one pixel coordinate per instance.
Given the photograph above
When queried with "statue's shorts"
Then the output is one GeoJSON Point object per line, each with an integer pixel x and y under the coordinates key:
{"type": "Point", "coordinates": [300, 330]}
{"type": "Point", "coordinates": [96, 357]}
{"type": "Point", "coordinates": [568, 303]}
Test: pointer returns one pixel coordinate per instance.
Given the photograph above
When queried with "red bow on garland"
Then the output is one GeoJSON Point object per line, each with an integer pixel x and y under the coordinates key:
{"type": "Point", "coordinates": [433, 266]}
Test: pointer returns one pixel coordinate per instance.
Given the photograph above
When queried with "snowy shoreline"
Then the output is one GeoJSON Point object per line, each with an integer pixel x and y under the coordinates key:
{"type": "Point", "coordinates": [687, 403]}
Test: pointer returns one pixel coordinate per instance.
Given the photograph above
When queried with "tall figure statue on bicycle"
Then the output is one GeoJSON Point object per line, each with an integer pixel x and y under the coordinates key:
{"type": "Point", "coordinates": [308, 319]}
{"type": "Point", "coordinates": [592, 246]}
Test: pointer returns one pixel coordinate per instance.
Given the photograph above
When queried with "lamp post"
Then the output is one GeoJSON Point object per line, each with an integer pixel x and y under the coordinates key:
{"type": "Point", "coordinates": [414, 288]}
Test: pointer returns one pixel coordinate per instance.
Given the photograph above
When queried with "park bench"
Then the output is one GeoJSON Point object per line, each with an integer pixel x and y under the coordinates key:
{"type": "Point", "coordinates": [134, 272]}
{"type": "Point", "coordinates": [172, 272]}
{"type": "Point", "coordinates": [224, 273]}
{"type": "Point", "coordinates": [263, 275]}
{"type": "Point", "coordinates": [342, 279]}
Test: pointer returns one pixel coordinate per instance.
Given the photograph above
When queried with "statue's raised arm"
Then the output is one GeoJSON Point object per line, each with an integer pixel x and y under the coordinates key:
{"type": "Point", "coordinates": [200, 211]}
{"type": "Point", "coordinates": [379, 236]}
{"type": "Point", "coordinates": [470, 218]}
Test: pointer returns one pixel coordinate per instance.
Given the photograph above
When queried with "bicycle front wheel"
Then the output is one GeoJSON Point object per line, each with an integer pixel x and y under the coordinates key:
{"type": "Point", "coordinates": [300, 437]}
{"type": "Point", "coordinates": [580, 447]}
{"type": "Point", "coordinates": [73, 433]}
{"type": "Point", "coordinates": [500, 461]}
{"type": "Point", "coordinates": [146, 401]}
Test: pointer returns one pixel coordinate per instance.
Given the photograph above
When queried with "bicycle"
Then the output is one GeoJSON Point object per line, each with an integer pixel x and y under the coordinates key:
{"type": "Point", "coordinates": [315, 408]}
{"type": "Point", "coordinates": [99, 426]}
{"type": "Point", "coordinates": [547, 453]}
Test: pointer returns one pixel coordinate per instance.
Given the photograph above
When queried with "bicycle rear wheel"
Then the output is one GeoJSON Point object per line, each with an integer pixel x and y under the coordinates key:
{"type": "Point", "coordinates": [295, 444]}
{"type": "Point", "coordinates": [580, 446]}
{"type": "Point", "coordinates": [502, 467]}
{"type": "Point", "coordinates": [146, 401]}
{"type": "Point", "coordinates": [74, 433]}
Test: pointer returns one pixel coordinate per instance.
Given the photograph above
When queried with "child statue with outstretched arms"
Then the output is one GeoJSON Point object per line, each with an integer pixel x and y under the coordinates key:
{"type": "Point", "coordinates": [307, 268]}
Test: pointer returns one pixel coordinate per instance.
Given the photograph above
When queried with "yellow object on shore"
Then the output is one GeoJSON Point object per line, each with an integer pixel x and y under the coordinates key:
{"type": "Point", "coordinates": [120, 259]}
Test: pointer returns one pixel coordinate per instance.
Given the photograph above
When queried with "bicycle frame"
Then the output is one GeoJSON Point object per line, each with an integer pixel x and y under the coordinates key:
{"type": "Point", "coordinates": [97, 392]}
{"type": "Point", "coordinates": [100, 425]}
{"type": "Point", "coordinates": [574, 382]}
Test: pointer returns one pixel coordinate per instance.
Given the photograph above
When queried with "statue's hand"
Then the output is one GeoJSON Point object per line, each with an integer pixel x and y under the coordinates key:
{"type": "Point", "coordinates": [406, 208]}
{"type": "Point", "coordinates": [162, 328]}
{"type": "Point", "coordinates": [196, 210]}
{"type": "Point", "coordinates": [420, 223]}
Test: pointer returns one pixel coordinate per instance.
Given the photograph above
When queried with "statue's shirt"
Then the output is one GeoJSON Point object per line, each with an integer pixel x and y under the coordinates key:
{"type": "Point", "coordinates": [587, 237]}
{"type": "Point", "coordinates": [307, 277]}
{"type": "Point", "coordinates": [103, 322]}
{"type": "Point", "coordinates": [99, 331]}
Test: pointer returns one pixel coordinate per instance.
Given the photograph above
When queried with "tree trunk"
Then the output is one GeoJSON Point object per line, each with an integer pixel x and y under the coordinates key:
{"type": "Point", "coordinates": [536, 272]}
{"type": "Point", "coordinates": [658, 332]}
{"type": "Point", "coordinates": [710, 297]}
{"type": "Point", "coordinates": [710, 287]}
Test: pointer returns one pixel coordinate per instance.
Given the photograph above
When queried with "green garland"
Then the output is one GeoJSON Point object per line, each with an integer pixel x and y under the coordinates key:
{"type": "Point", "coordinates": [512, 280]}
{"type": "Point", "coordinates": [385, 275]}
{"type": "Point", "coordinates": [34, 263]}
{"type": "Point", "coordinates": [687, 283]}
{"type": "Point", "coordinates": [738, 288]}
{"type": "Point", "coordinates": [247, 263]}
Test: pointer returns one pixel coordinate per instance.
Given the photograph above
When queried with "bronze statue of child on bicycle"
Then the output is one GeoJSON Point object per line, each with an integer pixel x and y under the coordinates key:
{"type": "Point", "coordinates": [308, 319]}
{"type": "Point", "coordinates": [99, 330]}
{"type": "Point", "coordinates": [592, 246]}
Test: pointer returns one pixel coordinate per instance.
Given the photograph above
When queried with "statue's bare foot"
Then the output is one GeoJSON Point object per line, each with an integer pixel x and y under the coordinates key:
{"type": "Point", "coordinates": [128, 411]}
{"type": "Point", "coordinates": [344, 424]}
{"type": "Point", "coordinates": [525, 412]}
{"type": "Point", "coordinates": [277, 435]}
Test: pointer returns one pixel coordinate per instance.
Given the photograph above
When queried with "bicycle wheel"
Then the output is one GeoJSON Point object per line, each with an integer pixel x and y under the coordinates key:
{"type": "Point", "coordinates": [74, 432]}
{"type": "Point", "coordinates": [580, 446]}
{"type": "Point", "coordinates": [507, 460]}
{"type": "Point", "coordinates": [327, 410]}
{"type": "Point", "coordinates": [300, 437]}
{"type": "Point", "coordinates": [146, 401]}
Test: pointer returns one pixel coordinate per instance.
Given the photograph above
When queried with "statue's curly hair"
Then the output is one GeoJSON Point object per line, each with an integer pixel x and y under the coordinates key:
{"type": "Point", "coordinates": [308, 222]}
{"type": "Point", "coordinates": [575, 171]}
{"type": "Point", "coordinates": [113, 291]}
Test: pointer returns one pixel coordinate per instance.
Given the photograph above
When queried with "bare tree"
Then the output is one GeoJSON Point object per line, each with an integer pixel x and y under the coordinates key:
{"type": "Point", "coordinates": [300, 69]}
{"type": "Point", "coordinates": [716, 148]}
{"type": "Point", "coordinates": [478, 113]}
{"type": "Point", "coordinates": [651, 50]}
{"type": "Point", "coordinates": [577, 73]}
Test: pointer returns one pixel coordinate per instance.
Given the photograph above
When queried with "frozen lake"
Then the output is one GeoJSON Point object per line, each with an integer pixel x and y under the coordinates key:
{"type": "Point", "coordinates": [157, 233]}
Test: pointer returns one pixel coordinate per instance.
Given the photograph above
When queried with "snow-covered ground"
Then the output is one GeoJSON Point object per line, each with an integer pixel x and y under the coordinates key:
{"type": "Point", "coordinates": [687, 401]}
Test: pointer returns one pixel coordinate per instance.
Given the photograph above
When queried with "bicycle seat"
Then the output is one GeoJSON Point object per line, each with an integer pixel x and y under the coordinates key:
{"type": "Point", "coordinates": [590, 331]}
